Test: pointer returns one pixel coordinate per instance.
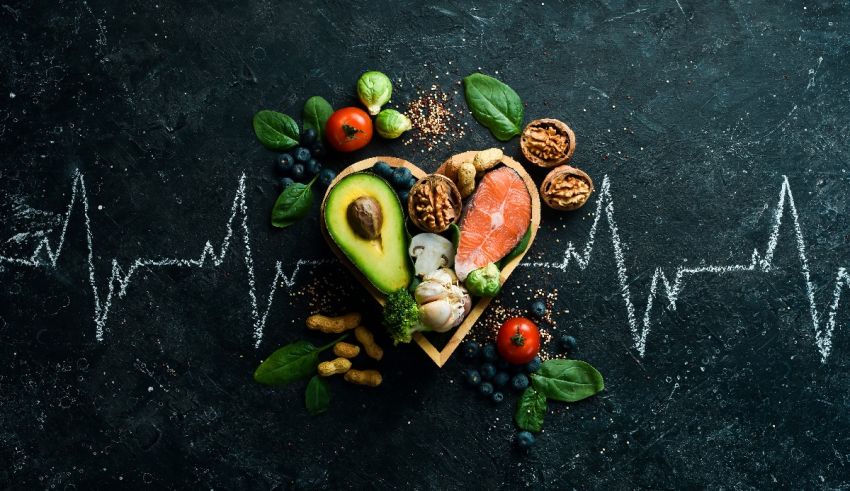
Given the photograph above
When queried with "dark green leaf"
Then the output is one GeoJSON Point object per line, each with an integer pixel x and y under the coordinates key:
{"type": "Point", "coordinates": [316, 113]}
{"type": "Point", "coordinates": [518, 249]}
{"type": "Point", "coordinates": [317, 398]}
{"type": "Point", "coordinates": [292, 204]}
{"type": "Point", "coordinates": [454, 231]}
{"type": "Point", "coordinates": [567, 380]}
{"type": "Point", "coordinates": [494, 105]}
{"type": "Point", "coordinates": [292, 362]}
{"type": "Point", "coordinates": [530, 410]}
{"type": "Point", "coordinates": [275, 130]}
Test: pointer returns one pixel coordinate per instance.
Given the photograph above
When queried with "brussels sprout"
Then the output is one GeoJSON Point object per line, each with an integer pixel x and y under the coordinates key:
{"type": "Point", "coordinates": [374, 90]}
{"type": "Point", "coordinates": [391, 123]}
{"type": "Point", "coordinates": [484, 282]}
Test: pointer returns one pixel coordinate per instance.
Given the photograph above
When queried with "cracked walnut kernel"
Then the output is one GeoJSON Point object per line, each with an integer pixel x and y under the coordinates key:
{"type": "Point", "coordinates": [434, 203]}
{"type": "Point", "coordinates": [566, 188]}
{"type": "Point", "coordinates": [547, 142]}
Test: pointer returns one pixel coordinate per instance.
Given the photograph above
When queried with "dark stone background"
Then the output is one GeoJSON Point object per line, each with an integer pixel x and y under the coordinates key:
{"type": "Point", "coordinates": [695, 110]}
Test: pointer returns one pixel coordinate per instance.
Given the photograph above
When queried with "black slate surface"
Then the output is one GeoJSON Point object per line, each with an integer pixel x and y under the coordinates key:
{"type": "Point", "coordinates": [688, 113]}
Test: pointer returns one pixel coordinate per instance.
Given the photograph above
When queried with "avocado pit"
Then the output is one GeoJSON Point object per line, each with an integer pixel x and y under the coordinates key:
{"type": "Point", "coordinates": [365, 217]}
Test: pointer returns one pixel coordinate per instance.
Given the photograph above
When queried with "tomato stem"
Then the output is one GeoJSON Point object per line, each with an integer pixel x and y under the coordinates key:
{"type": "Point", "coordinates": [518, 339]}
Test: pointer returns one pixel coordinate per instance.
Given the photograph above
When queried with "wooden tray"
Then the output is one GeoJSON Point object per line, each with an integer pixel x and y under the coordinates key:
{"type": "Point", "coordinates": [439, 356]}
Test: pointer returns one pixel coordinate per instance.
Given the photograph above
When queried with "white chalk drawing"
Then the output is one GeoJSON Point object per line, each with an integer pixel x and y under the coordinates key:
{"type": "Point", "coordinates": [758, 263]}
{"type": "Point", "coordinates": [46, 256]}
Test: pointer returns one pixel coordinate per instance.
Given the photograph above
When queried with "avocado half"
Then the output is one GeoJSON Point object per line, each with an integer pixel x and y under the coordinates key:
{"type": "Point", "coordinates": [382, 260]}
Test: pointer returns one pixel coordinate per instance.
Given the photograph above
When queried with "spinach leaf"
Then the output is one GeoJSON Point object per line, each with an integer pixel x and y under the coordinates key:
{"type": "Point", "coordinates": [317, 398]}
{"type": "Point", "coordinates": [292, 204]}
{"type": "Point", "coordinates": [275, 130]}
{"type": "Point", "coordinates": [567, 380]}
{"type": "Point", "coordinates": [530, 410]}
{"type": "Point", "coordinates": [518, 249]}
{"type": "Point", "coordinates": [292, 362]}
{"type": "Point", "coordinates": [315, 114]}
{"type": "Point", "coordinates": [494, 105]}
{"type": "Point", "coordinates": [454, 231]}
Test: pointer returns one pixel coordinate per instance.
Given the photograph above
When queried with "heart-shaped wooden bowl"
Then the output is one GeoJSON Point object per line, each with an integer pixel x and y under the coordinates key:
{"type": "Point", "coordinates": [439, 356]}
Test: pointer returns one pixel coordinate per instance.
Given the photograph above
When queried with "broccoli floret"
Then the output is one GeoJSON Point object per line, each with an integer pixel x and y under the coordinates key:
{"type": "Point", "coordinates": [401, 316]}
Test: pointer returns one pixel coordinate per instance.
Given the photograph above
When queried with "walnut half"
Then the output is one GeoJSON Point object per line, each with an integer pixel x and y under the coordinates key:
{"type": "Point", "coordinates": [547, 142]}
{"type": "Point", "coordinates": [434, 203]}
{"type": "Point", "coordinates": [566, 188]}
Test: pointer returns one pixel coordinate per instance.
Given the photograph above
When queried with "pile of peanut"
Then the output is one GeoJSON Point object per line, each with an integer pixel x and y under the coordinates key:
{"type": "Point", "coordinates": [344, 351]}
{"type": "Point", "coordinates": [463, 174]}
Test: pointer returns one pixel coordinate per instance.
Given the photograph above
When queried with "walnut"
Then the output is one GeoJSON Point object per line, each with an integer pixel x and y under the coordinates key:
{"type": "Point", "coordinates": [547, 142]}
{"type": "Point", "coordinates": [566, 188]}
{"type": "Point", "coordinates": [434, 203]}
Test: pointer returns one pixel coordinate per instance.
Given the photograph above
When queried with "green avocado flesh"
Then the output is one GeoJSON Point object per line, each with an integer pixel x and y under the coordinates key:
{"type": "Point", "coordinates": [383, 260]}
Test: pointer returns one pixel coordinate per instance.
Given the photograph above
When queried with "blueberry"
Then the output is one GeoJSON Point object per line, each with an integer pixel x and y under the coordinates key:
{"type": "Point", "coordinates": [402, 196]}
{"type": "Point", "coordinates": [400, 177]}
{"type": "Point", "coordinates": [489, 352]}
{"type": "Point", "coordinates": [538, 308]}
{"type": "Point", "coordinates": [498, 397]}
{"type": "Point", "coordinates": [411, 182]}
{"type": "Point", "coordinates": [284, 163]}
{"type": "Point", "coordinates": [486, 389]}
{"type": "Point", "coordinates": [313, 167]}
{"type": "Point", "coordinates": [318, 150]}
{"type": "Point", "coordinates": [519, 382]}
{"type": "Point", "coordinates": [308, 136]}
{"type": "Point", "coordinates": [383, 169]}
{"type": "Point", "coordinates": [524, 440]}
{"type": "Point", "coordinates": [301, 154]}
{"type": "Point", "coordinates": [533, 365]}
{"type": "Point", "coordinates": [470, 350]}
{"type": "Point", "coordinates": [501, 379]}
{"type": "Point", "coordinates": [503, 365]}
{"type": "Point", "coordinates": [568, 343]}
{"type": "Point", "coordinates": [473, 377]}
{"type": "Point", "coordinates": [326, 176]}
{"type": "Point", "coordinates": [298, 172]}
{"type": "Point", "coordinates": [487, 371]}
{"type": "Point", "coordinates": [286, 181]}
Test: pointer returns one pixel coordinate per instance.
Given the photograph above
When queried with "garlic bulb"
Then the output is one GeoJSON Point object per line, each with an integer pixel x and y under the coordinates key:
{"type": "Point", "coordinates": [443, 303]}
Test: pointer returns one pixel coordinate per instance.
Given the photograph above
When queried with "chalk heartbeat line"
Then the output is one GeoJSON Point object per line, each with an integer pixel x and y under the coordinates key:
{"type": "Point", "coordinates": [46, 255]}
{"type": "Point", "coordinates": [821, 330]}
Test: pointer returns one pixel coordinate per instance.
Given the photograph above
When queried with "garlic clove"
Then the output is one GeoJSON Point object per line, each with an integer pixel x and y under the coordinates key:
{"type": "Point", "coordinates": [437, 315]}
{"type": "Point", "coordinates": [429, 291]}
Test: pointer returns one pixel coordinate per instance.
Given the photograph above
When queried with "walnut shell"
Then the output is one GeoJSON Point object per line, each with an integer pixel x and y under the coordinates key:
{"type": "Point", "coordinates": [566, 188]}
{"type": "Point", "coordinates": [434, 203]}
{"type": "Point", "coordinates": [547, 142]}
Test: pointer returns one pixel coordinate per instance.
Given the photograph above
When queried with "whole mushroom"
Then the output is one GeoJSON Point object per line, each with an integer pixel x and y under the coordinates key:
{"type": "Point", "coordinates": [431, 252]}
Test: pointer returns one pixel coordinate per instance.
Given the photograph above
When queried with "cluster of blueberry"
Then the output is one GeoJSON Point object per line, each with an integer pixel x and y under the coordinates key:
{"type": "Point", "coordinates": [302, 162]}
{"type": "Point", "coordinates": [400, 178]}
{"type": "Point", "coordinates": [494, 374]}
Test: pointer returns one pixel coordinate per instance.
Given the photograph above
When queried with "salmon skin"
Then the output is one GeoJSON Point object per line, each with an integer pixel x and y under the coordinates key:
{"type": "Point", "coordinates": [493, 222]}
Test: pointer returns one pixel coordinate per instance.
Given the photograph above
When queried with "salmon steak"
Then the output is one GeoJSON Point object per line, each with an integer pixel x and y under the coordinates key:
{"type": "Point", "coordinates": [493, 222]}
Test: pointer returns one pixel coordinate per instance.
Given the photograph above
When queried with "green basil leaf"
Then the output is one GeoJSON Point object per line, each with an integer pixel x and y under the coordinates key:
{"type": "Point", "coordinates": [567, 380]}
{"type": "Point", "coordinates": [315, 114]}
{"type": "Point", "coordinates": [494, 105]}
{"type": "Point", "coordinates": [518, 249]}
{"type": "Point", "coordinates": [530, 410]}
{"type": "Point", "coordinates": [293, 204]}
{"type": "Point", "coordinates": [292, 362]}
{"type": "Point", "coordinates": [317, 398]}
{"type": "Point", "coordinates": [275, 130]}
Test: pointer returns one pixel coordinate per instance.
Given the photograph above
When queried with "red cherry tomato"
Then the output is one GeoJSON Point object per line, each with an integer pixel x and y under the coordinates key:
{"type": "Point", "coordinates": [518, 341]}
{"type": "Point", "coordinates": [348, 129]}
